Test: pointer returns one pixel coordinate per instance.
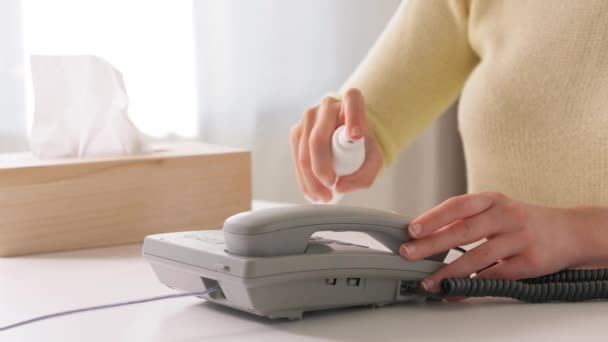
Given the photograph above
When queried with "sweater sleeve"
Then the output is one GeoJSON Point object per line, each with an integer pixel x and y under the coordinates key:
{"type": "Point", "coordinates": [416, 69]}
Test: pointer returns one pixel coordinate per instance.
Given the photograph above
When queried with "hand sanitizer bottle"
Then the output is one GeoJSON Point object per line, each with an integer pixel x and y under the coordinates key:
{"type": "Point", "coordinates": [348, 156]}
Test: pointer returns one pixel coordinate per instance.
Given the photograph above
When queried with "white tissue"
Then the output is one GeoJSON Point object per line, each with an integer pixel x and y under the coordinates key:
{"type": "Point", "coordinates": [80, 109]}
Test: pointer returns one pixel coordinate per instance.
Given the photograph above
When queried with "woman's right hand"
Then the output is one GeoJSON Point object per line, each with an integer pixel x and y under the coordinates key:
{"type": "Point", "coordinates": [311, 146]}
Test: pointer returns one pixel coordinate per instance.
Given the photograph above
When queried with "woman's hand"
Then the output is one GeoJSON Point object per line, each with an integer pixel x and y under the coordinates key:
{"type": "Point", "coordinates": [526, 240]}
{"type": "Point", "coordinates": [311, 146]}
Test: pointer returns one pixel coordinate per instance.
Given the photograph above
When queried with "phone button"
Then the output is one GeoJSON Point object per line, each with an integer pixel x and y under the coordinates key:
{"type": "Point", "coordinates": [353, 281]}
{"type": "Point", "coordinates": [330, 281]}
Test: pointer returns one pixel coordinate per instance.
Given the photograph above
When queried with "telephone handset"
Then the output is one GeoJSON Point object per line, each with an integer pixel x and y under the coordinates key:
{"type": "Point", "coordinates": [287, 230]}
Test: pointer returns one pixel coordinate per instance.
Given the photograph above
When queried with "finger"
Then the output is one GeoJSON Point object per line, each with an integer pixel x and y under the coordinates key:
{"type": "Point", "coordinates": [367, 173]}
{"type": "Point", "coordinates": [362, 178]}
{"type": "Point", "coordinates": [491, 271]}
{"type": "Point", "coordinates": [295, 142]}
{"type": "Point", "coordinates": [459, 233]}
{"type": "Point", "coordinates": [453, 209]}
{"type": "Point", "coordinates": [316, 190]}
{"type": "Point", "coordinates": [320, 141]}
{"type": "Point", "coordinates": [478, 258]}
{"type": "Point", "coordinates": [354, 114]}
{"type": "Point", "coordinates": [513, 268]}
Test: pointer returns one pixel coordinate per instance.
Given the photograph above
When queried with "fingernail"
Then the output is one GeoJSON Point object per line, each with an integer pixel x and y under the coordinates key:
{"type": "Point", "coordinates": [355, 131]}
{"type": "Point", "coordinates": [310, 198]}
{"type": "Point", "coordinates": [408, 249]}
{"type": "Point", "coordinates": [428, 285]}
{"type": "Point", "coordinates": [326, 198]}
{"type": "Point", "coordinates": [327, 182]}
{"type": "Point", "coordinates": [415, 229]}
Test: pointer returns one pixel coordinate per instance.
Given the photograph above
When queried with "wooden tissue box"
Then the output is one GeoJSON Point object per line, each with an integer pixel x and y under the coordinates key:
{"type": "Point", "coordinates": [54, 205]}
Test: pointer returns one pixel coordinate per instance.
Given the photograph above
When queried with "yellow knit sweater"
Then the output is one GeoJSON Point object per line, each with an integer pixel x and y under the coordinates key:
{"type": "Point", "coordinates": [533, 80]}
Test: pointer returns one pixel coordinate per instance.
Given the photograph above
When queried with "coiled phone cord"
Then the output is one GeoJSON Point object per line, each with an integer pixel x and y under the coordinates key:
{"type": "Point", "coordinates": [564, 286]}
{"type": "Point", "coordinates": [570, 276]}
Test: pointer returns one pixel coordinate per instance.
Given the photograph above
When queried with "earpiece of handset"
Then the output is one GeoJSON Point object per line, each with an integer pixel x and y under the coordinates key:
{"type": "Point", "coordinates": [348, 156]}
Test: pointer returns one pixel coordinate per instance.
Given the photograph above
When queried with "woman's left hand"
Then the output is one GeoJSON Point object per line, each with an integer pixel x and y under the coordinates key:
{"type": "Point", "coordinates": [526, 240]}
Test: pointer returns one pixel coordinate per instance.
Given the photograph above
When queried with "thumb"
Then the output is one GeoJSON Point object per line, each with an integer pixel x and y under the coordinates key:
{"type": "Point", "coordinates": [354, 113]}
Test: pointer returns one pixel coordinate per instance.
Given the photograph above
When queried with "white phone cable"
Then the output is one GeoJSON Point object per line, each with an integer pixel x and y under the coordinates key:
{"type": "Point", "coordinates": [106, 306]}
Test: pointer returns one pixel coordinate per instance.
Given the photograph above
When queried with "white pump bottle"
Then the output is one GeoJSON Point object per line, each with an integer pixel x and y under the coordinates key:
{"type": "Point", "coordinates": [348, 156]}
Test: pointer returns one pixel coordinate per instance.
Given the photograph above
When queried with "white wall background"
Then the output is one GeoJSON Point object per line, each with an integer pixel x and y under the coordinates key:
{"type": "Point", "coordinates": [149, 41]}
{"type": "Point", "coordinates": [252, 66]}
{"type": "Point", "coordinates": [12, 96]}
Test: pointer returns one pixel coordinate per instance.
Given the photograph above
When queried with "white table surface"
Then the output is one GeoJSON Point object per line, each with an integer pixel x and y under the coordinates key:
{"type": "Point", "coordinates": [41, 284]}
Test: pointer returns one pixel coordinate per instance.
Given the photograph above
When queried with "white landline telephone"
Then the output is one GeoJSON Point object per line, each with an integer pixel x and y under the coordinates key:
{"type": "Point", "coordinates": [268, 263]}
{"type": "Point", "coordinates": [265, 261]}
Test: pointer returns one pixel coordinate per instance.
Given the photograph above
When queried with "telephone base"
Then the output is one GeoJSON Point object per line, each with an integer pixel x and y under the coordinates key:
{"type": "Point", "coordinates": [331, 274]}
{"type": "Point", "coordinates": [292, 315]}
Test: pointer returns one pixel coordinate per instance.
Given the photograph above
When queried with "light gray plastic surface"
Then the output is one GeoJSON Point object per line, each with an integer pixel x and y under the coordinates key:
{"type": "Point", "coordinates": [282, 286]}
{"type": "Point", "coordinates": [265, 262]}
{"type": "Point", "coordinates": [287, 230]}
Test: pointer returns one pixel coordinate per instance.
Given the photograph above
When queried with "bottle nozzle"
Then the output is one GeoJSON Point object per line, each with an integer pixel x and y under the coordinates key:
{"type": "Point", "coordinates": [345, 141]}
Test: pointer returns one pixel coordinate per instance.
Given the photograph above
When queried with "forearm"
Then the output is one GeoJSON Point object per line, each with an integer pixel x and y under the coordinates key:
{"type": "Point", "coordinates": [415, 71]}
